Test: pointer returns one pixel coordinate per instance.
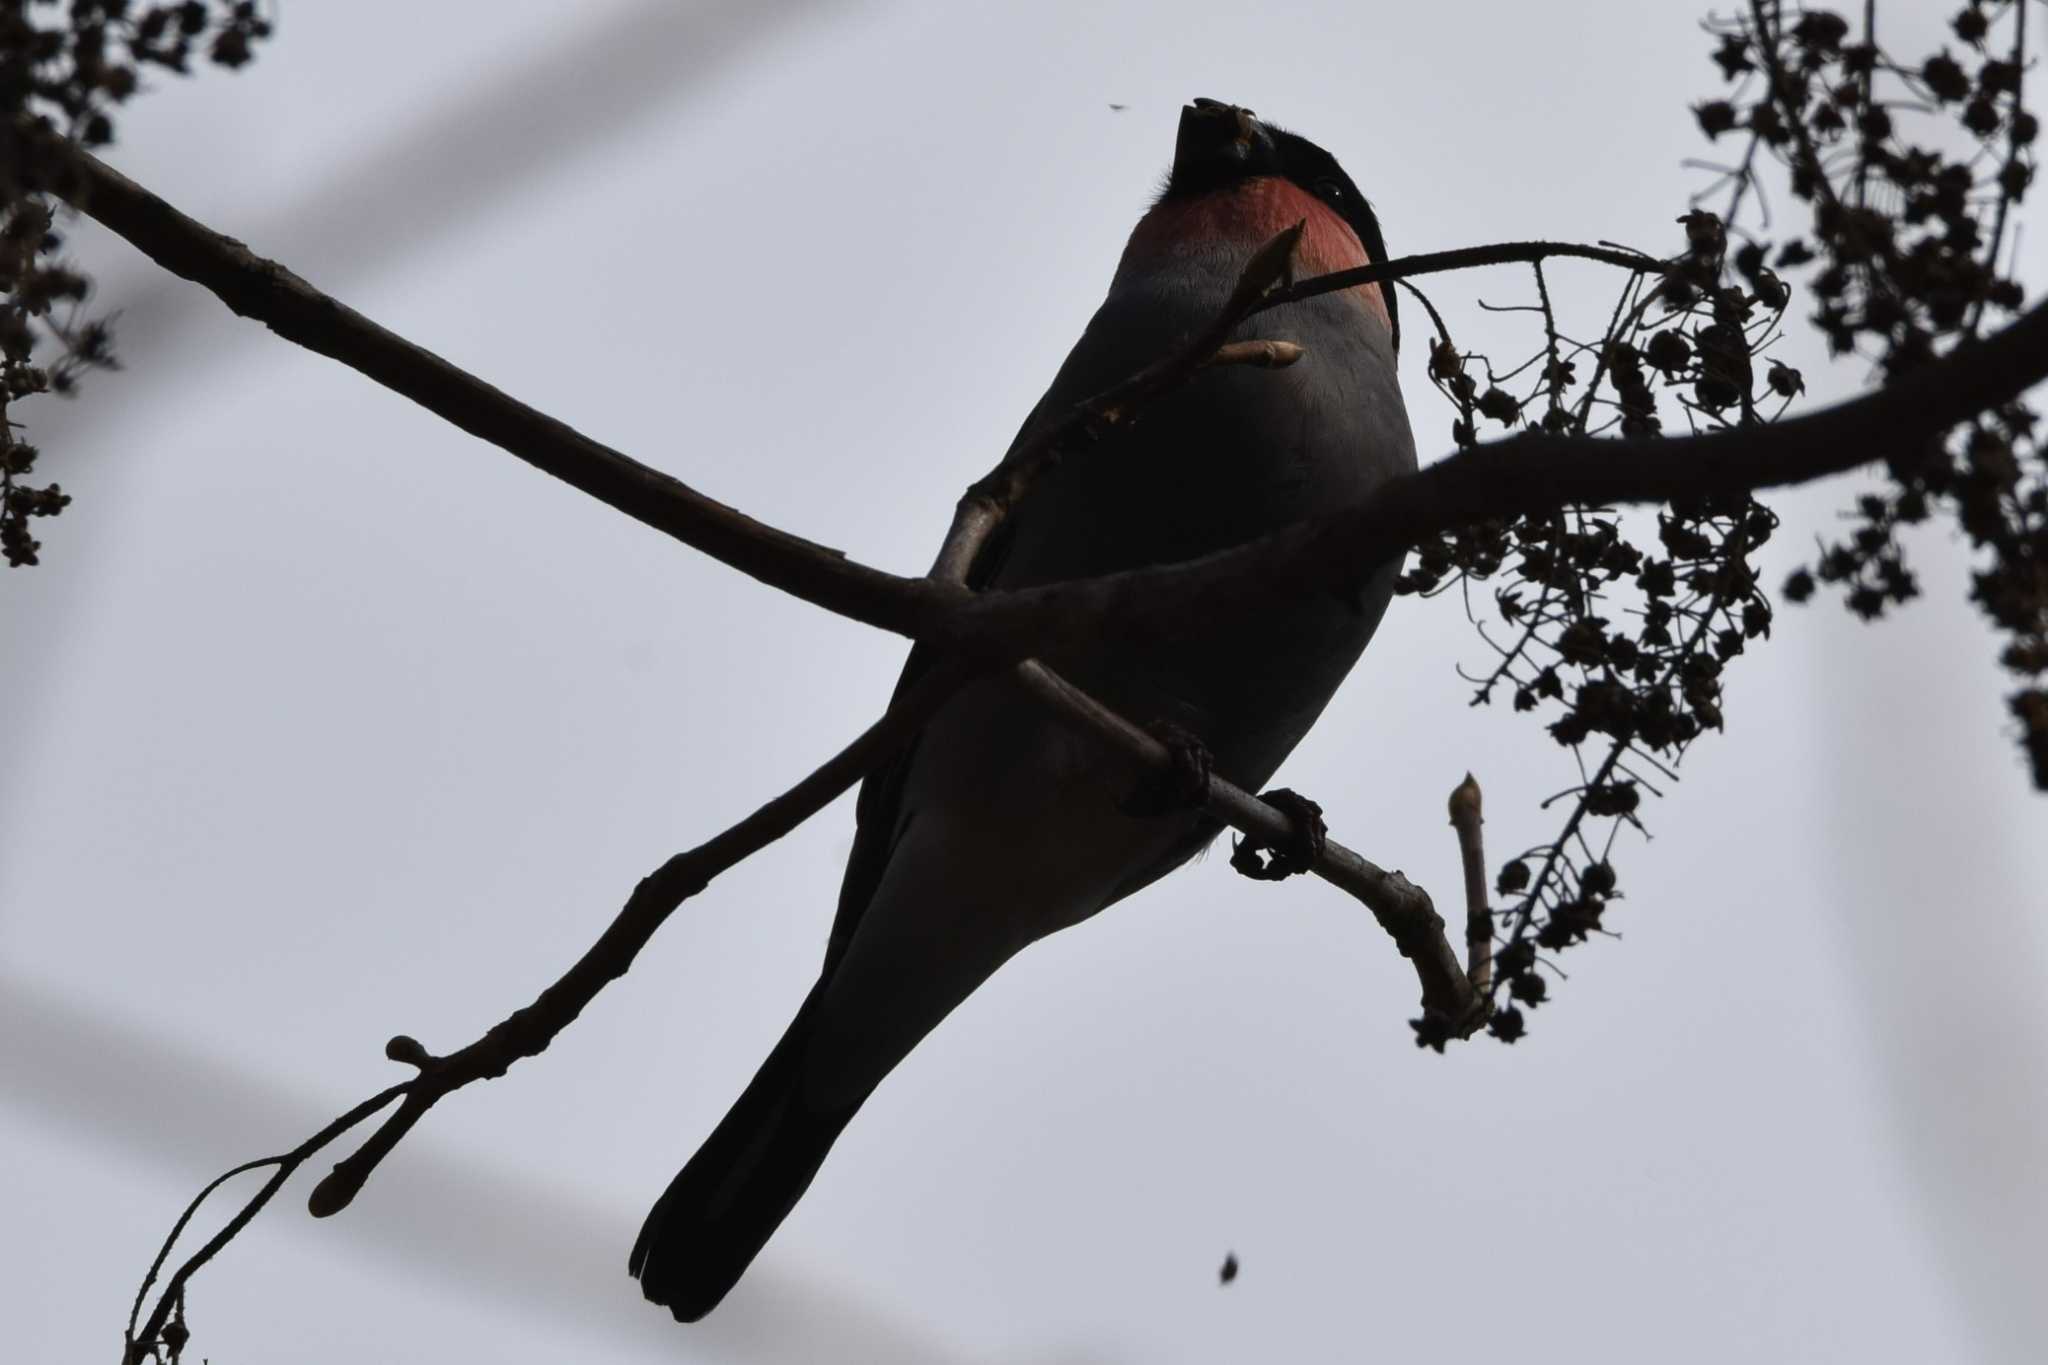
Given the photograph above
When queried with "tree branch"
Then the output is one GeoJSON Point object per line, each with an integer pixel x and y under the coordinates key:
{"type": "Point", "coordinates": [1466, 820]}
{"type": "Point", "coordinates": [1462, 258]}
{"type": "Point", "coordinates": [140, 1343]}
{"type": "Point", "coordinates": [1402, 908]}
{"type": "Point", "coordinates": [528, 1032]}
{"type": "Point", "coordinates": [1530, 473]}
{"type": "Point", "coordinates": [269, 293]}
{"type": "Point", "coordinates": [257, 288]}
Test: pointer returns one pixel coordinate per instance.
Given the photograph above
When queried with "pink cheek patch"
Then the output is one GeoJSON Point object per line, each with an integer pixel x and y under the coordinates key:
{"type": "Point", "coordinates": [1248, 215]}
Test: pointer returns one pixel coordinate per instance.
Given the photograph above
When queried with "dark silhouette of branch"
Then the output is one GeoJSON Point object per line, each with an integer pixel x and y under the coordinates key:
{"type": "Point", "coordinates": [2015, 148]}
{"type": "Point", "coordinates": [1402, 908]}
{"type": "Point", "coordinates": [1466, 820]}
{"type": "Point", "coordinates": [1529, 473]}
{"type": "Point", "coordinates": [286, 1165]}
{"type": "Point", "coordinates": [1462, 258]}
{"type": "Point", "coordinates": [269, 293]}
{"type": "Point", "coordinates": [527, 1032]}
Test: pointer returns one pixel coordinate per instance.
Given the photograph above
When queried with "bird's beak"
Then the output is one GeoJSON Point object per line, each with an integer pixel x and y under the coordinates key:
{"type": "Point", "coordinates": [1218, 142]}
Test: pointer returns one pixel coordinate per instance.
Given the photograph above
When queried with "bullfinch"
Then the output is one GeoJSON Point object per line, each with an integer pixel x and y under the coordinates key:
{"type": "Point", "coordinates": [998, 825]}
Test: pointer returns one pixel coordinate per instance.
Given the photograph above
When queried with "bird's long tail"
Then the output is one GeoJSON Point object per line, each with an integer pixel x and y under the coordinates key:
{"type": "Point", "coordinates": [723, 1206]}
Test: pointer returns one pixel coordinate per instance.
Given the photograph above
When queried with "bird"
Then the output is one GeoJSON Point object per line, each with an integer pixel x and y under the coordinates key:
{"type": "Point", "coordinates": [996, 825]}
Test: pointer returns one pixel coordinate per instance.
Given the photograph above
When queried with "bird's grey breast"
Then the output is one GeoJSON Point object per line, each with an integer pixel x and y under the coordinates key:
{"type": "Point", "coordinates": [1234, 454]}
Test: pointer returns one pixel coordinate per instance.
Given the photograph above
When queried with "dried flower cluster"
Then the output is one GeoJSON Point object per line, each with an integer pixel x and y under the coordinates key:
{"type": "Point", "coordinates": [63, 69]}
{"type": "Point", "coordinates": [1615, 630]}
{"type": "Point", "coordinates": [1911, 171]}
{"type": "Point", "coordinates": [1620, 641]}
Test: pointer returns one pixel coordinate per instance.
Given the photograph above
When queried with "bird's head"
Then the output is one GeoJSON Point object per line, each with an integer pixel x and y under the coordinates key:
{"type": "Point", "coordinates": [1237, 180]}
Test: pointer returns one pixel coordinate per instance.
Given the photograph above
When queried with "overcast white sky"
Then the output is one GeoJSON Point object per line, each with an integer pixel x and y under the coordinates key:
{"type": "Point", "coordinates": [328, 722]}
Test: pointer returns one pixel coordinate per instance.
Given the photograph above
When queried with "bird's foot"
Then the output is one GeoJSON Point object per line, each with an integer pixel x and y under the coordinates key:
{"type": "Point", "coordinates": [1184, 785]}
{"type": "Point", "coordinates": [1266, 863]}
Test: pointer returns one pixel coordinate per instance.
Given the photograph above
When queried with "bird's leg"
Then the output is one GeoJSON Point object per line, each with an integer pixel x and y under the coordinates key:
{"type": "Point", "coordinates": [1184, 785]}
{"type": "Point", "coordinates": [1266, 863]}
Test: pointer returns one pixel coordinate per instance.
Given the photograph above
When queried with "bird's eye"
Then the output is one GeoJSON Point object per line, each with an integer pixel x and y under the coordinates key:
{"type": "Point", "coordinates": [1330, 190]}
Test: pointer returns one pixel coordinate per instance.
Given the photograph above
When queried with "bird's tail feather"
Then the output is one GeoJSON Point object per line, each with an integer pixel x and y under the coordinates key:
{"type": "Point", "coordinates": [723, 1206]}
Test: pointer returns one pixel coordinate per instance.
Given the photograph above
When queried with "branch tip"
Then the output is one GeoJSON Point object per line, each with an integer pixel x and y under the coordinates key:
{"type": "Point", "coordinates": [1466, 820]}
{"type": "Point", "coordinates": [1464, 802]}
{"type": "Point", "coordinates": [408, 1050]}
{"type": "Point", "coordinates": [332, 1194]}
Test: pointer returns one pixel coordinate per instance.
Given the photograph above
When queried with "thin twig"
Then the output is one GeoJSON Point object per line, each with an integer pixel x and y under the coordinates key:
{"type": "Point", "coordinates": [1466, 820]}
{"type": "Point", "coordinates": [269, 293]}
{"type": "Point", "coordinates": [139, 1344]}
{"type": "Point", "coordinates": [1869, 97]}
{"type": "Point", "coordinates": [988, 500]}
{"type": "Point", "coordinates": [528, 1031]}
{"type": "Point", "coordinates": [2015, 149]}
{"type": "Point", "coordinates": [1463, 258]}
{"type": "Point", "coordinates": [1781, 90]}
{"type": "Point", "coordinates": [1402, 908]}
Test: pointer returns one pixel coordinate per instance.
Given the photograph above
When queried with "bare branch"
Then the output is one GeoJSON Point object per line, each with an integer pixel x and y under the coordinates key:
{"type": "Point", "coordinates": [1463, 258]}
{"type": "Point", "coordinates": [528, 1032]}
{"type": "Point", "coordinates": [139, 1344]}
{"type": "Point", "coordinates": [1402, 908]}
{"type": "Point", "coordinates": [266, 291]}
{"type": "Point", "coordinates": [1466, 820]}
{"type": "Point", "coordinates": [1530, 473]}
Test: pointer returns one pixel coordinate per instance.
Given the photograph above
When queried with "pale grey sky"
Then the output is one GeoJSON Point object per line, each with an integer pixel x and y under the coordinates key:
{"type": "Point", "coordinates": [331, 723]}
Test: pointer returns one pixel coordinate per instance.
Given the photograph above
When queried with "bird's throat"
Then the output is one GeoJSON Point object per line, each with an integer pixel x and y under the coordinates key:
{"type": "Point", "coordinates": [1241, 217]}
